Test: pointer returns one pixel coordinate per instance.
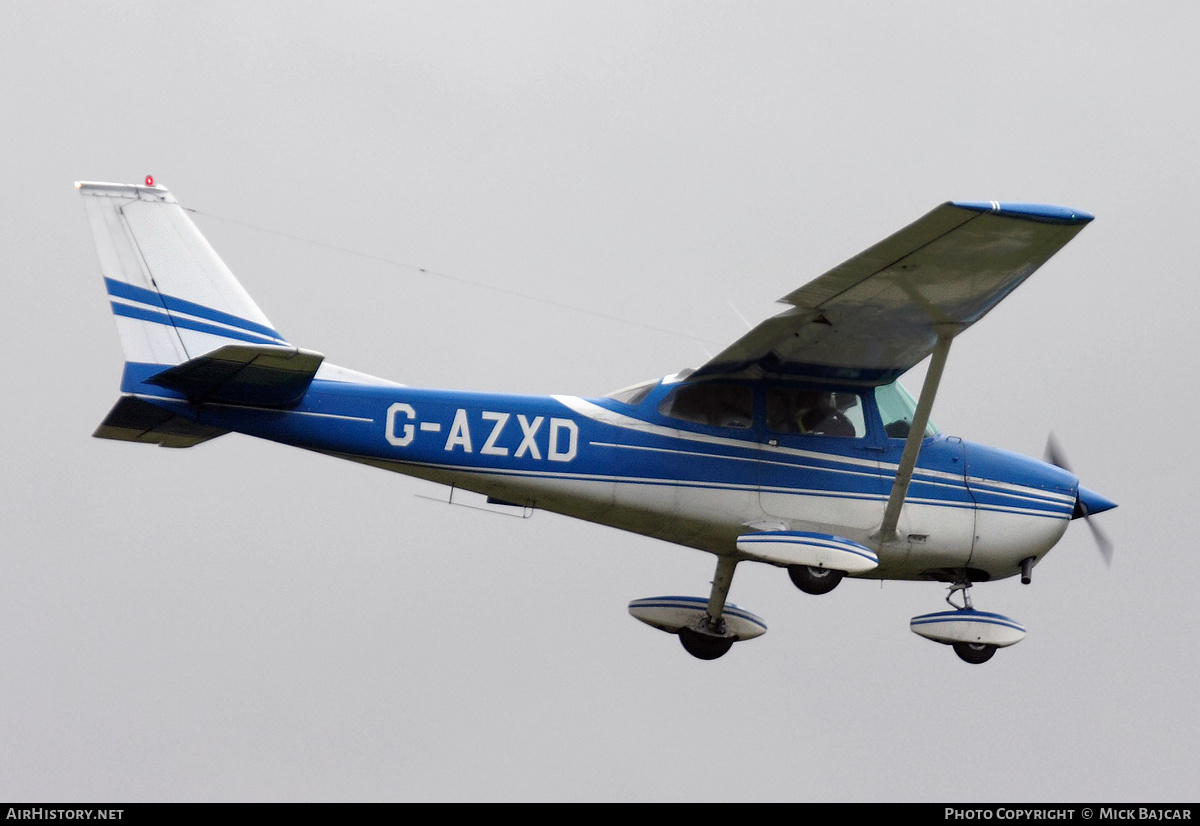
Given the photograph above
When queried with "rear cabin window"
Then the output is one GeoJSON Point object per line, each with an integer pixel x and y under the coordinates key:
{"type": "Point", "coordinates": [815, 412]}
{"type": "Point", "coordinates": [634, 394]}
{"type": "Point", "coordinates": [711, 403]}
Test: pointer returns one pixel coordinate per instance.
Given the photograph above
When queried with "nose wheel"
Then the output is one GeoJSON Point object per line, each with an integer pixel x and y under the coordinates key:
{"type": "Point", "coordinates": [975, 653]}
{"type": "Point", "coordinates": [974, 635]}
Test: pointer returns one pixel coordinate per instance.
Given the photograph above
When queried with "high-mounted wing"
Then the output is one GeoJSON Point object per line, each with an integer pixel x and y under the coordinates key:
{"type": "Point", "coordinates": [878, 314]}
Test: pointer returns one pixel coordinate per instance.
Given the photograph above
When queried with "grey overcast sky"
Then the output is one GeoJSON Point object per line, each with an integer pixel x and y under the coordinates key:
{"type": "Point", "coordinates": [241, 621]}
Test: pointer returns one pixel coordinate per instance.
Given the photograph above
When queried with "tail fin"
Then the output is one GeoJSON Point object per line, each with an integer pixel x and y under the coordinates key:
{"type": "Point", "coordinates": [173, 297]}
{"type": "Point", "coordinates": [189, 330]}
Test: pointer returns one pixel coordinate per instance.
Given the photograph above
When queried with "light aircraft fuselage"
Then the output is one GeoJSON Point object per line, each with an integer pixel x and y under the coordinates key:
{"type": "Point", "coordinates": [701, 485]}
{"type": "Point", "coordinates": [794, 447]}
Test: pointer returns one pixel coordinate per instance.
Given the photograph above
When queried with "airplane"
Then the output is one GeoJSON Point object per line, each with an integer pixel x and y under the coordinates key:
{"type": "Point", "coordinates": [796, 446]}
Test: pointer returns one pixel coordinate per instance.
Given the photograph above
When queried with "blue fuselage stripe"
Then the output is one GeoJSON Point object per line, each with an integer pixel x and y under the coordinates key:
{"type": "Point", "coordinates": [541, 438]}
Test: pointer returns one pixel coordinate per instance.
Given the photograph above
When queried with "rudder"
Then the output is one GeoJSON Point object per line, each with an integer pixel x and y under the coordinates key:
{"type": "Point", "coordinates": [172, 296]}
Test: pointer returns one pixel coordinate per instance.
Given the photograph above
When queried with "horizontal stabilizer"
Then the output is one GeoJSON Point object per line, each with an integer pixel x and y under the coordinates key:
{"type": "Point", "coordinates": [243, 374]}
{"type": "Point", "coordinates": [134, 420]}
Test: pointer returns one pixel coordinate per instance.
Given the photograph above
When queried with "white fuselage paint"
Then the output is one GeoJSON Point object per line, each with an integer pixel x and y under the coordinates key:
{"type": "Point", "coordinates": [709, 516]}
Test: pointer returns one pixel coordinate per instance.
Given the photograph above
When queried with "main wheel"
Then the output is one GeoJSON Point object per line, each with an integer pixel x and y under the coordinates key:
{"type": "Point", "coordinates": [974, 652]}
{"type": "Point", "coordinates": [815, 580]}
{"type": "Point", "coordinates": [703, 646]}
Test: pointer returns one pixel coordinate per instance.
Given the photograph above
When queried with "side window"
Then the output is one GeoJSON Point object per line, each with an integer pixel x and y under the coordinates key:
{"type": "Point", "coordinates": [815, 412]}
{"type": "Point", "coordinates": [711, 403]}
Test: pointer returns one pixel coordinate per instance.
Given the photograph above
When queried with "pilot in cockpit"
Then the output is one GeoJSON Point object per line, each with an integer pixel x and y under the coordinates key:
{"type": "Point", "coordinates": [823, 414]}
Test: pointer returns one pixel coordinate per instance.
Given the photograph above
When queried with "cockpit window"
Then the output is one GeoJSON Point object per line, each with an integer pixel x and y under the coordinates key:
{"type": "Point", "coordinates": [896, 408]}
{"type": "Point", "coordinates": [634, 394]}
{"type": "Point", "coordinates": [815, 412]}
{"type": "Point", "coordinates": [712, 403]}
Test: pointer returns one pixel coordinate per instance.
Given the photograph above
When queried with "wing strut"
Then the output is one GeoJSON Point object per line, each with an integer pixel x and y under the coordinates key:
{"type": "Point", "coordinates": [916, 433]}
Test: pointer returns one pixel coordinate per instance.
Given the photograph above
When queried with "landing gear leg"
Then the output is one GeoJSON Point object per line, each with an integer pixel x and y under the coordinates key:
{"type": "Point", "coordinates": [965, 587]}
{"type": "Point", "coordinates": [709, 639]}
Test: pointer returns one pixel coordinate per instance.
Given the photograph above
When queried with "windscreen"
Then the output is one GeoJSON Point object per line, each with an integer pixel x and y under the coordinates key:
{"type": "Point", "coordinates": [896, 408]}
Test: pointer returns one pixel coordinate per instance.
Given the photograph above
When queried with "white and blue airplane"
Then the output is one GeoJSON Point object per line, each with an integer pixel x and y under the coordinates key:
{"type": "Point", "coordinates": [795, 446]}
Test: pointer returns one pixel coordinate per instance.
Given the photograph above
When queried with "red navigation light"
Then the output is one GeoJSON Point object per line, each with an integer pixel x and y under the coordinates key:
{"type": "Point", "coordinates": [149, 180]}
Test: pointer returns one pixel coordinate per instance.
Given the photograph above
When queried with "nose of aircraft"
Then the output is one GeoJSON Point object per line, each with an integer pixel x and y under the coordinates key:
{"type": "Point", "coordinates": [1089, 503]}
{"type": "Point", "coordinates": [985, 464]}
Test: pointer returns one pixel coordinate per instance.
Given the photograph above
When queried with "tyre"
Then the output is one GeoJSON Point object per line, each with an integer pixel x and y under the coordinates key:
{"type": "Point", "coordinates": [974, 652]}
{"type": "Point", "coordinates": [815, 580]}
{"type": "Point", "coordinates": [704, 646]}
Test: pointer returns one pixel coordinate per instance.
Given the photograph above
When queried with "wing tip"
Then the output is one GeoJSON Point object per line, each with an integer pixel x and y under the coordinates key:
{"type": "Point", "coordinates": [1035, 212]}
